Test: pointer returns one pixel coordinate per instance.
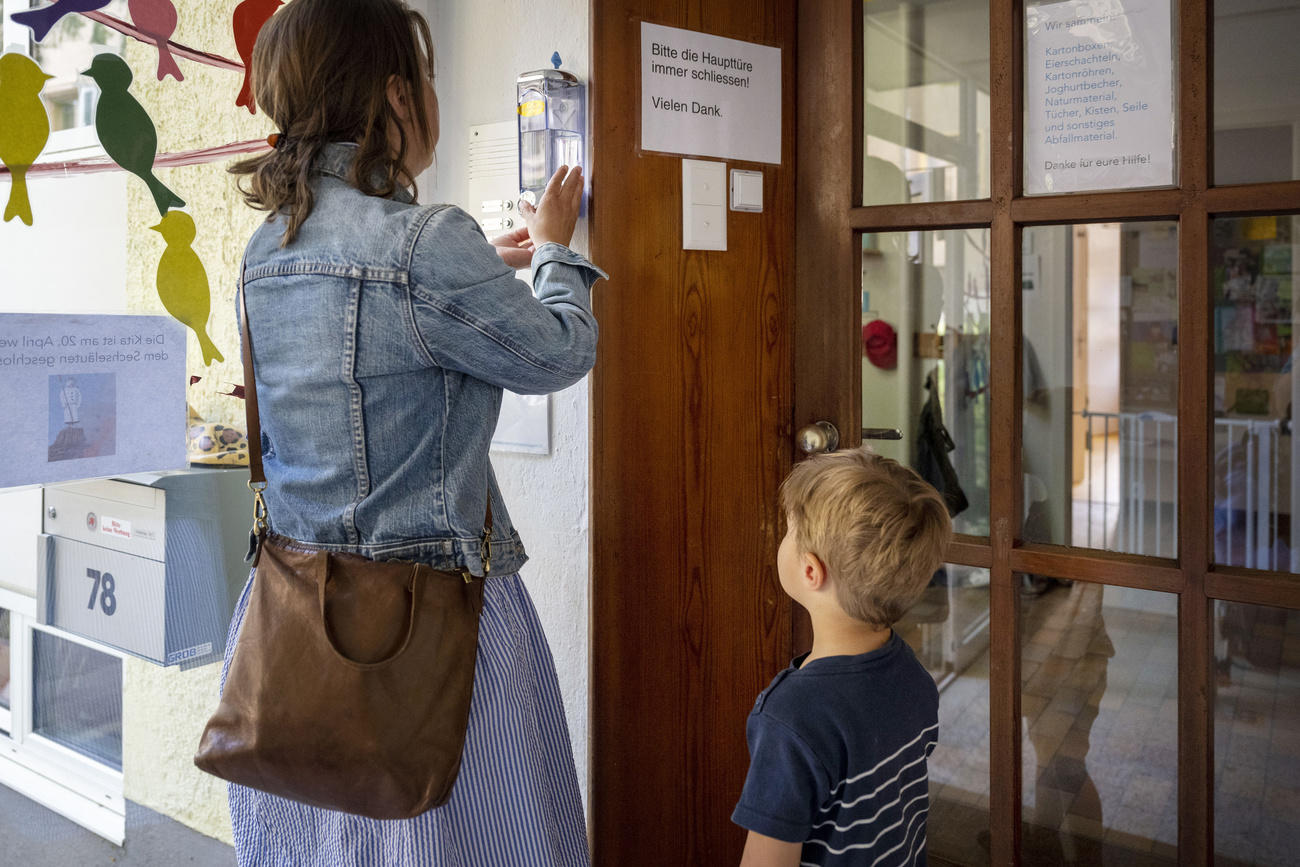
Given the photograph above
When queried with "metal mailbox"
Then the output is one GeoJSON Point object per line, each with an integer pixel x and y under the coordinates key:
{"type": "Point", "coordinates": [151, 564]}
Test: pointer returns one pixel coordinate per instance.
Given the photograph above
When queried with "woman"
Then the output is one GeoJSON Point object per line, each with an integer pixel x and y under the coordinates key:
{"type": "Point", "coordinates": [384, 333]}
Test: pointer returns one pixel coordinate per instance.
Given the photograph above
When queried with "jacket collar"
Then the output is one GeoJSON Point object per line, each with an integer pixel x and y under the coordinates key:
{"type": "Point", "coordinates": [335, 160]}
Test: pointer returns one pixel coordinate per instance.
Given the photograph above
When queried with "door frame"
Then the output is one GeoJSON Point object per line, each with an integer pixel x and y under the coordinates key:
{"type": "Point", "coordinates": [828, 218]}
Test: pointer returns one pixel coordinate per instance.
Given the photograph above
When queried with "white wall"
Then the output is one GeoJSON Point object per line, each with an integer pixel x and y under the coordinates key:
{"type": "Point", "coordinates": [481, 46]}
{"type": "Point", "coordinates": [72, 259]}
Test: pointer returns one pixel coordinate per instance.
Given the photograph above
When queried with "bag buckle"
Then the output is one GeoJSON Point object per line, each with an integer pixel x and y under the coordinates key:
{"type": "Point", "coordinates": [260, 523]}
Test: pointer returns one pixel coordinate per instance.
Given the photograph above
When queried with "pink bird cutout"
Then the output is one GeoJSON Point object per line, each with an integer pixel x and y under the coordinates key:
{"type": "Point", "coordinates": [157, 20]}
{"type": "Point", "coordinates": [249, 18]}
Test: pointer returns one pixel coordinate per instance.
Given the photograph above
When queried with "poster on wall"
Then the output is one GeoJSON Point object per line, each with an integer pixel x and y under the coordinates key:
{"type": "Point", "coordinates": [709, 96]}
{"type": "Point", "coordinates": [101, 396]}
{"type": "Point", "coordinates": [1099, 99]}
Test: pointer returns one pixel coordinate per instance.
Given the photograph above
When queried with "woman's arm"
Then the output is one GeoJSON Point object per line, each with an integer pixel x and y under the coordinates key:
{"type": "Point", "coordinates": [761, 851]}
{"type": "Point", "coordinates": [471, 314]}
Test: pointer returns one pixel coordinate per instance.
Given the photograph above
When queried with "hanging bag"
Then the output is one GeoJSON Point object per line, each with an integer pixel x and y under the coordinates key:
{"type": "Point", "coordinates": [350, 684]}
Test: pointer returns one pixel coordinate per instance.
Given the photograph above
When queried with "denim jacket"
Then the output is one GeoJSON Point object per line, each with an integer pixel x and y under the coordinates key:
{"type": "Point", "coordinates": [382, 339]}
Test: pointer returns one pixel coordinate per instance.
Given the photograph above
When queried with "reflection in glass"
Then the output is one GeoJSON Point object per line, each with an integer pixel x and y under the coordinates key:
{"type": "Point", "coordinates": [77, 698]}
{"type": "Point", "coordinates": [1256, 735]}
{"type": "Point", "coordinates": [926, 101]}
{"type": "Point", "coordinates": [1099, 670]}
{"type": "Point", "coordinates": [1256, 92]}
{"type": "Point", "coordinates": [925, 356]}
{"type": "Point", "coordinates": [948, 629]}
{"type": "Point", "coordinates": [69, 48]}
{"type": "Point", "coordinates": [1256, 510]}
{"type": "Point", "coordinates": [4, 659]}
{"type": "Point", "coordinates": [1100, 370]}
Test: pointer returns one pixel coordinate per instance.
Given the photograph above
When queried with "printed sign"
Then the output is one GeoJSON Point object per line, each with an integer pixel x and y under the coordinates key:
{"type": "Point", "coordinates": [91, 396]}
{"type": "Point", "coordinates": [1099, 96]}
{"type": "Point", "coordinates": [710, 96]}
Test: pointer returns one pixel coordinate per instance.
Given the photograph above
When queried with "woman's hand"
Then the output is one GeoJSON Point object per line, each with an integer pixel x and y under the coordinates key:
{"type": "Point", "coordinates": [515, 248]}
{"type": "Point", "coordinates": [553, 219]}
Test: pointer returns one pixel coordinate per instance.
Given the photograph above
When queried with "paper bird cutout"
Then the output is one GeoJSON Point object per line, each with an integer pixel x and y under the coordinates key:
{"type": "Point", "coordinates": [125, 128]}
{"type": "Point", "coordinates": [183, 282]}
{"type": "Point", "coordinates": [43, 20]}
{"type": "Point", "coordinates": [26, 128]}
{"type": "Point", "coordinates": [156, 19]}
{"type": "Point", "coordinates": [249, 19]}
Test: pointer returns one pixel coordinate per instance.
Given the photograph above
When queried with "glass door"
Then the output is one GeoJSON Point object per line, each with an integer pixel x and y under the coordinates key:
{"type": "Point", "coordinates": [1080, 325]}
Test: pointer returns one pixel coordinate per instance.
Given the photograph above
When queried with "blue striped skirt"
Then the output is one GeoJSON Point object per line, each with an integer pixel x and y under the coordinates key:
{"type": "Point", "coordinates": [515, 803]}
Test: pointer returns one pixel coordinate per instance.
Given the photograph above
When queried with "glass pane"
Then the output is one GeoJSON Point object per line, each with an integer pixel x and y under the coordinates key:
{"type": "Point", "coordinates": [1256, 91]}
{"type": "Point", "coordinates": [925, 355]}
{"type": "Point", "coordinates": [64, 53]}
{"type": "Point", "coordinates": [1256, 512]}
{"type": "Point", "coordinates": [77, 698]}
{"type": "Point", "coordinates": [948, 628]}
{"type": "Point", "coordinates": [1099, 669]}
{"type": "Point", "coordinates": [926, 101]}
{"type": "Point", "coordinates": [1100, 371]}
{"type": "Point", "coordinates": [1099, 96]}
{"type": "Point", "coordinates": [4, 658]}
{"type": "Point", "coordinates": [1256, 735]}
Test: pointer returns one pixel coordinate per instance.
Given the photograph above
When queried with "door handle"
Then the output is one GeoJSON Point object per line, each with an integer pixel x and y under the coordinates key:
{"type": "Point", "coordinates": [881, 433]}
{"type": "Point", "coordinates": [818, 437]}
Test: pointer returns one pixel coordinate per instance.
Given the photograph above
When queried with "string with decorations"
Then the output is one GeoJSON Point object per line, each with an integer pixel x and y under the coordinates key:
{"type": "Point", "coordinates": [127, 132]}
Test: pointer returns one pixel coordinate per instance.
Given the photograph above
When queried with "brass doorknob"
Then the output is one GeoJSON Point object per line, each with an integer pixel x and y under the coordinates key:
{"type": "Point", "coordinates": [818, 437]}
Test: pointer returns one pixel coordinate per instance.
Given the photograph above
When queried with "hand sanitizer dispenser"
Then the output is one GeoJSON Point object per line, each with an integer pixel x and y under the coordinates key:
{"type": "Point", "coordinates": [551, 125]}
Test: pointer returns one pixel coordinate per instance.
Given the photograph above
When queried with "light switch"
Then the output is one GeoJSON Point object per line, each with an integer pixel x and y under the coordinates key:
{"type": "Point", "coordinates": [746, 191]}
{"type": "Point", "coordinates": [704, 205]}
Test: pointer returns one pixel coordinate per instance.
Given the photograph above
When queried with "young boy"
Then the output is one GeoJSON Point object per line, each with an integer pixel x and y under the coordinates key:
{"type": "Point", "coordinates": [838, 742]}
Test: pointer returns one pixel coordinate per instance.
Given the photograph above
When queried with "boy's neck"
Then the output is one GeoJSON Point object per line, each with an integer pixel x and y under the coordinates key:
{"type": "Point", "coordinates": [843, 636]}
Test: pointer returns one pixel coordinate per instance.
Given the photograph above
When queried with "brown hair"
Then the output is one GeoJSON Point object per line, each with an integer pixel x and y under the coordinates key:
{"type": "Point", "coordinates": [878, 527]}
{"type": "Point", "coordinates": [320, 71]}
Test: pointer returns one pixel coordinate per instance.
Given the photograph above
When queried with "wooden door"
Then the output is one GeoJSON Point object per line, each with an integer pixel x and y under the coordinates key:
{"type": "Point", "coordinates": [1112, 662]}
{"type": "Point", "coordinates": [691, 438]}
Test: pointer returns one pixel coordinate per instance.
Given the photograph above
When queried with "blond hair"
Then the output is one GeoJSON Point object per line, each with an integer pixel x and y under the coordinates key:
{"type": "Point", "coordinates": [880, 530]}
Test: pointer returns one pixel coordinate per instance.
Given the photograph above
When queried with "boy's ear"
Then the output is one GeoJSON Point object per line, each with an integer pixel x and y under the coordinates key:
{"type": "Point", "coordinates": [814, 571]}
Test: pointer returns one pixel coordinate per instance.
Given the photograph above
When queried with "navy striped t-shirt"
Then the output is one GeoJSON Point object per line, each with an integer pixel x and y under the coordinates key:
{"type": "Point", "coordinates": [838, 752]}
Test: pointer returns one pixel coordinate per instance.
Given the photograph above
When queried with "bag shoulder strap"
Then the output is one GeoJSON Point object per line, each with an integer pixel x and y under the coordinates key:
{"type": "Point", "coordinates": [256, 475]}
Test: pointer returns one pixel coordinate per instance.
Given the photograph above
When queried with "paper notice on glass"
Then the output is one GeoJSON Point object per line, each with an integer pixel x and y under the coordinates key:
{"type": "Point", "coordinates": [710, 96]}
{"type": "Point", "coordinates": [1099, 99]}
{"type": "Point", "coordinates": [91, 396]}
{"type": "Point", "coordinates": [524, 424]}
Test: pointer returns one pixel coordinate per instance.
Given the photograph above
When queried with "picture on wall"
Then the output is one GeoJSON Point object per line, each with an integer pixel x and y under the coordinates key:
{"type": "Point", "coordinates": [83, 416]}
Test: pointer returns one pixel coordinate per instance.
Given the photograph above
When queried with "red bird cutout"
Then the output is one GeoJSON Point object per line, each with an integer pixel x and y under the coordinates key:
{"type": "Point", "coordinates": [157, 20]}
{"type": "Point", "coordinates": [249, 18]}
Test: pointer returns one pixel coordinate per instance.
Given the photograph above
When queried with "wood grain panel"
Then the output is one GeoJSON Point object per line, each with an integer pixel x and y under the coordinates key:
{"type": "Point", "coordinates": [1101, 567]}
{"type": "Point", "coordinates": [1195, 461]}
{"type": "Point", "coordinates": [1275, 589]}
{"type": "Point", "coordinates": [828, 254]}
{"type": "Point", "coordinates": [1005, 484]}
{"type": "Point", "coordinates": [691, 401]}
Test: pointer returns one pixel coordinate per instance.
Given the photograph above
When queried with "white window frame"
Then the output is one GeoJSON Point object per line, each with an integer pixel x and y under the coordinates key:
{"type": "Point", "coordinates": [75, 786]}
{"type": "Point", "coordinates": [77, 143]}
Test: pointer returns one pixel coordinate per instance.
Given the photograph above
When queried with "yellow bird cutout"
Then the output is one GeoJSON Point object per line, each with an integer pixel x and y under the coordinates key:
{"type": "Point", "coordinates": [25, 129]}
{"type": "Point", "coordinates": [183, 282]}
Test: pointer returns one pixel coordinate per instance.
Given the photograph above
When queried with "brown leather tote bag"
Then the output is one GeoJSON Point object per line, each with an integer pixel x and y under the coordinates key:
{"type": "Point", "coordinates": [351, 681]}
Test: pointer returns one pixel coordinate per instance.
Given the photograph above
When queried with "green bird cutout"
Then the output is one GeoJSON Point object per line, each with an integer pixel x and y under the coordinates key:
{"type": "Point", "coordinates": [183, 282]}
{"type": "Point", "coordinates": [125, 129]}
{"type": "Point", "coordinates": [25, 130]}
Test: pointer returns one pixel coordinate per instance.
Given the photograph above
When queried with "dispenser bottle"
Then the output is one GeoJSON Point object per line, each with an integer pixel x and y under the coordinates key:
{"type": "Point", "coordinates": [551, 124]}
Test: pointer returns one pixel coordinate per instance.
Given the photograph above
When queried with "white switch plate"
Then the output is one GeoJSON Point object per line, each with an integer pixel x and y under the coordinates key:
{"type": "Point", "coordinates": [704, 205]}
{"type": "Point", "coordinates": [746, 191]}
